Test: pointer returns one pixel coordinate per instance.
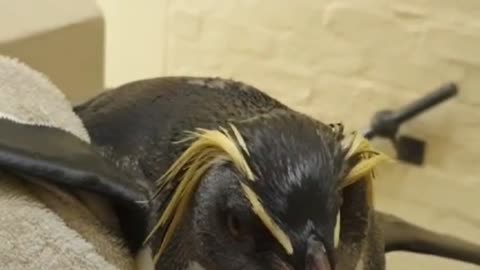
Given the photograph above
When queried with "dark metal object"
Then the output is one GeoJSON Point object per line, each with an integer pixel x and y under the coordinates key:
{"type": "Point", "coordinates": [410, 149]}
{"type": "Point", "coordinates": [386, 124]}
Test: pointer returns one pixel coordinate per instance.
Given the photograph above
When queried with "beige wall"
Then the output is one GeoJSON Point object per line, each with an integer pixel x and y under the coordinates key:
{"type": "Point", "coordinates": [338, 61]}
{"type": "Point", "coordinates": [61, 38]}
{"type": "Point", "coordinates": [135, 39]}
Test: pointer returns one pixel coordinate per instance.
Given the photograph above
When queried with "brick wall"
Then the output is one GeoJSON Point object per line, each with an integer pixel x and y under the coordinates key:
{"type": "Point", "coordinates": [341, 61]}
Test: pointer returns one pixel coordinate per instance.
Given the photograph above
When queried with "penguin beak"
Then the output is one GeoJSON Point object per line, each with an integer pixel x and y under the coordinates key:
{"type": "Point", "coordinates": [316, 256]}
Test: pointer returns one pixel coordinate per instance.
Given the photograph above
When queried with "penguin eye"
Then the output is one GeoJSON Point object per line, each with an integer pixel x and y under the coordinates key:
{"type": "Point", "coordinates": [234, 225]}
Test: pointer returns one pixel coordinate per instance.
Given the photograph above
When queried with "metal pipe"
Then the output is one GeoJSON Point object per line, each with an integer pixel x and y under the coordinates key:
{"type": "Point", "coordinates": [427, 102]}
{"type": "Point", "coordinates": [396, 118]}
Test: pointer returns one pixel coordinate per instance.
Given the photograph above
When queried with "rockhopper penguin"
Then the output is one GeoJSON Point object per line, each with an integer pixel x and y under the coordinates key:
{"type": "Point", "coordinates": [239, 180]}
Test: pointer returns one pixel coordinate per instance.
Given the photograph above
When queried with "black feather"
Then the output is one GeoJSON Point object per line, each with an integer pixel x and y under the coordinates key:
{"type": "Point", "coordinates": [297, 159]}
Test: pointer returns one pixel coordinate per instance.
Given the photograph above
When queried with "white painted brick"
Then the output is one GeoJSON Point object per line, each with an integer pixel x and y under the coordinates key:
{"type": "Point", "coordinates": [245, 39]}
{"type": "Point", "coordinates": [205, 7]}
{"type": "Point", "coordinates": [351, 100]}
{"type": "Point", "coordinates": [428, 187]}
{"type": "Point", "coordinates": [470, 87]}
{"type": "Point", "coordinates": [271, 14]}
{"type": "Point", "coordinates": [186, 25]}
{"type": "Point", "coordinates": [370, 29]}
{"type": "Point", "coordinates": [319, 50]}
{"type": "Point", "coordinates": [191, 60]}
{"type": "Point", "coordinates": [250, 41]}
{"type": "Point", "coordinates": [454, 44]}
{"type": "Point", "coordinates": [442, 11]}
{"type": "Point", "coordinates": [341, 98]}
{"type": "Point", "coordinates": [287, 85]}
{"type": "Point", "coordinates": [347, 63]}
{"type": "Point", "coordinates": [450, 122]}
{"type": "Point", "coordinates": [407, 9]}
{"type": "Point", "coordinates": [411, 8]}
{"type": "Point", "coordinates": [412, 74]}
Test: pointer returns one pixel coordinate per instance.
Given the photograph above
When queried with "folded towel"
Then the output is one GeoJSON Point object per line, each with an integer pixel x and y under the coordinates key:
{"type": "Point", "coordinates": [27, 96]}
{"type": "Point", "coordinates": [42, 226]}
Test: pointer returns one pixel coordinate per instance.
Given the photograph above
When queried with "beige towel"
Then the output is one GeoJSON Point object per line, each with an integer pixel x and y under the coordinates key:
{"type": "Point", "coordinates": [42, 227]}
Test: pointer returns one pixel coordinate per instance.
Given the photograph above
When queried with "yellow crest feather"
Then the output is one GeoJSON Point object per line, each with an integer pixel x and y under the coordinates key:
{"type": "Point", "coordinates": [258, 209]}
{"type": "Point", "coordinates": [209, 147]}
{"type": "Point", "coordinates": [366, 159]}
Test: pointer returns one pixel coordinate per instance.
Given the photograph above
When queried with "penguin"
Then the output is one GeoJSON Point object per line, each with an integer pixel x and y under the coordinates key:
{"type": "Point", "coordinates": [238, 179]}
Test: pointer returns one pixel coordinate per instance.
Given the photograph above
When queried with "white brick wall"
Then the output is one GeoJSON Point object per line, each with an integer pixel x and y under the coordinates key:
{"type": "Point", "coordinates": [343, 60]}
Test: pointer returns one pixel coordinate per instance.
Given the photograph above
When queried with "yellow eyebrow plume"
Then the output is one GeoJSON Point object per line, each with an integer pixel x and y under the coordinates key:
{"type": "Point", "coordinates": [209, 147]}
{"type": "Point", "coordinates": [258, 209]}
{"type": "Point", "coordinates": [365, 159]}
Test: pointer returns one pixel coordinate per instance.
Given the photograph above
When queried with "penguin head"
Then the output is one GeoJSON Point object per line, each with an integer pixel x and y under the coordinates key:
{"type": "Point", "coordinates": [263, 193]}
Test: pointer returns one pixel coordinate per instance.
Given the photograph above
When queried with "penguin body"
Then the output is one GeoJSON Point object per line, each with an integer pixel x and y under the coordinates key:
{"type": "Point", "coordinates": [151, 114]}
{"type": "Point", "coordinates": [141, 121]}
{"type": "Point", "coordinates": [268, 201]}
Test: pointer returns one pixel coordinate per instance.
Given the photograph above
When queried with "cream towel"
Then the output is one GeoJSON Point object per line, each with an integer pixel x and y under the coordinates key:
{"type": "Point", "coordinates": [42, 227]}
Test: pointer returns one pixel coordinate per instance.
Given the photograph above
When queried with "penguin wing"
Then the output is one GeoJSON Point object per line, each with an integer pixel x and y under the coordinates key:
{"type": "Point", "coordinates": [60, 158]}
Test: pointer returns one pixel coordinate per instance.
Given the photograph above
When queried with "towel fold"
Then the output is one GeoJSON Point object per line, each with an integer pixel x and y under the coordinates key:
{"type": "Point", "coordinates": [42, 226]}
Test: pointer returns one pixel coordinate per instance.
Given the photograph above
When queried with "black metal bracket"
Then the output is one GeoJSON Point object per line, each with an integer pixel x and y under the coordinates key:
{"type": "Point", "coordinates": [386, 124]}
